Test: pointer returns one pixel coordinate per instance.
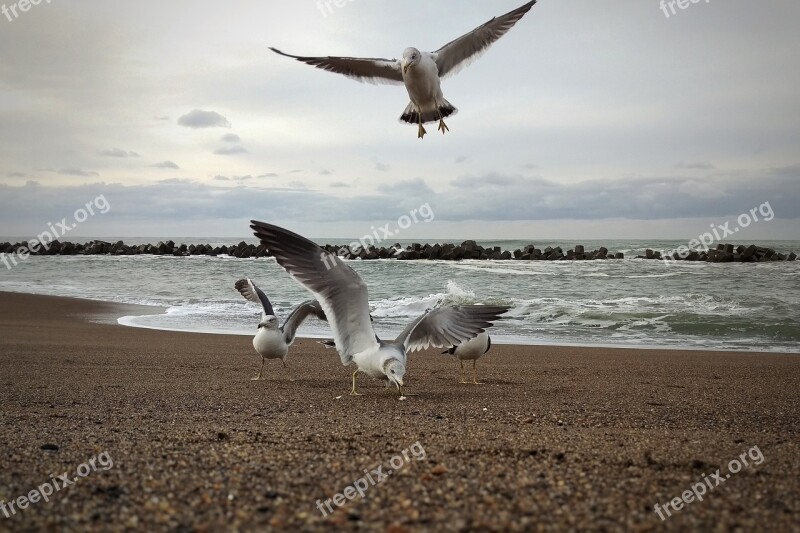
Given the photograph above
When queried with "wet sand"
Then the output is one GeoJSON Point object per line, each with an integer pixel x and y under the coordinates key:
{"type": "Point", "coordinates": [557, 437]}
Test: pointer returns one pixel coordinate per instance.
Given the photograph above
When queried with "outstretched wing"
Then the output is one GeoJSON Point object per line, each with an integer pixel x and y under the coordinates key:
{"type": "Point", "coordinates": [298, 316]}
{"type": "Point", "coordinates": [457, 54]}
{"type": "Point", "coordinates": [341, 293]}
{"type": "Point", "coordinates": [449, 326]}
{"type": "Point", "coordinates": [249, 290]}
{"type": "Point", "coordinates": [373, 70]}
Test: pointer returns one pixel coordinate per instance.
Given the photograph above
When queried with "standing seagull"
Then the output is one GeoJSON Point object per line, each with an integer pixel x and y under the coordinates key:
{"type": "Point", "coordinates": [472, 350]}
{"type": "Point", "coordinates": [422, 72]}
{"type": "Point", "coordinates": [342, 294]}
{"type": "Point", "coordinates": [272, 342]}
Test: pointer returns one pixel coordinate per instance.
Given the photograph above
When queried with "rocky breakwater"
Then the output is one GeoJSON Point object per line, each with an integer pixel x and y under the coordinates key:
{"type": "Point", "coordinates": [724, 253]}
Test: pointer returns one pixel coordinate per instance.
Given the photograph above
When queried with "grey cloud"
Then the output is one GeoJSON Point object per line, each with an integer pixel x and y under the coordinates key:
{"type": "Point", "coordinates": [381, 167]}
{"type": "Point", "coordinates": [118, 152]}
{"type": "Point", "coordinates": [231, 138]}
{"type": "Point", "coordinates": [339, 185]}
{"type": "Point", "coordinates": [413, 188]}
{"type": "Point", "coordinates": [198, 118]}
{"type": "Point", "coordinates": [166, 164]}
{"type": "Point", "coordinates": [480, 181]}
{"type": "Point", "coordinates": [230, 150]}
{"type": "Point", "coordinates": [635, 198]}
{"type": "Point", "coordinates": [71, 171]}
{"type": "Point", "coordinates": [696, 165]}
{"type": "Point", "coordinates": [268, 175]}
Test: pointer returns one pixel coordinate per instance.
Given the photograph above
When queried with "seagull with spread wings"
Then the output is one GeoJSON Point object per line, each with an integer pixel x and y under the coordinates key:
{"type": "Point", "coordinates": [271, 341]}
{"type": "Point", "coordinates": [422, 72]}
{"type": "Point", "coordinates": [342, 294]}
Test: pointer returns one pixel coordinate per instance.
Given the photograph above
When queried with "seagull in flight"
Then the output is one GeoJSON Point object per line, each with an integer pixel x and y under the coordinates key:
{"type": "Point", "coordinates": [342, 294]}
{"type": "Point", "coordinates": [271, 341]}
{"type": "Point", "coordinates": [422, 72]}
{"type": "Point", "coordinates": [472, 350]}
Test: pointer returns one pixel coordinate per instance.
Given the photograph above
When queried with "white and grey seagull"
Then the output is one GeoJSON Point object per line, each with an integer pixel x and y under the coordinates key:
{"type": "Point", "coordinates": [422, 72]}
{"type": "Point", "coordinates": [271, 341]}
{"type": "Point", "coordinates": [342, 294]}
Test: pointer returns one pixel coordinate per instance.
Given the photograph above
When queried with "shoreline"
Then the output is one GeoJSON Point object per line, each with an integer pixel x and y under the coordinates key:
{"type": "Point", "coordinates": [556, 437]}
{"type": "Point", "coordinates": [130, 311]}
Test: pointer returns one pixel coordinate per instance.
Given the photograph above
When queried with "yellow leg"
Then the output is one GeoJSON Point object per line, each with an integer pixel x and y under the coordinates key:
{"type": "Point", "coordinates": [475, 373]}
{"type": "Point", "coordinates": [421, 132]}
{"type": "Point", "coordinates": [442, 126]}
{"type": "Point", "coordinates": [353, 392]}
{"type": "Point", "coordinates": [258, 377]}
{"type": "Point", "coordinates": [461, 372]}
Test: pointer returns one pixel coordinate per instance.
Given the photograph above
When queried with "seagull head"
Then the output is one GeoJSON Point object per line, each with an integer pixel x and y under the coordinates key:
{"type": "Point", "coordinates": [268, 322]}
{"type": "Point", "coordinates": [411, 56]}
{"type": "Point", "coordinates": [395, 370]}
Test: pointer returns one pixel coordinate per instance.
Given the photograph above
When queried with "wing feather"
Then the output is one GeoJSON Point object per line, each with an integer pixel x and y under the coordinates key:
{"type": "Point", "coordinates": [298, 316]}
{"type": "Point", "coordinates": [248, 289]}
{"type": "Point", "coordinates": [373, 70]}
{"type": "Point", "coordinates": [449, 326]}
{"type": "Point", "coordinates": [458, 53]}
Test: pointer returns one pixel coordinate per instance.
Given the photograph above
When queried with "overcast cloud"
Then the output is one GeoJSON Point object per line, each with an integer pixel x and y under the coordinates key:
{"type": "Point", "coordinates": [588, 120]}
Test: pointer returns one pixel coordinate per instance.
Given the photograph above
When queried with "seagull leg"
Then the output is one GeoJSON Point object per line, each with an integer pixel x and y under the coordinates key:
{"type": "Point", "coordinates": [475, 373]}
{"type": "Point", "coordinates": [461, 372]}
{"type": "Point", "coordinates": [353, 392]}
{"type": "Point", "coordinates": [258, 377]}
{"type": "Point", "coordinates": [421, 132]}
{"type": "Point", "coordinates": [287, 368]}
{"type": "Point", "coordinates": [442, 126]}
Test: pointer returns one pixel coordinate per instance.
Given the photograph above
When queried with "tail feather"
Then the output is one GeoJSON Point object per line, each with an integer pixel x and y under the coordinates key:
{"type": "Point", "coordinates": [411, 114]}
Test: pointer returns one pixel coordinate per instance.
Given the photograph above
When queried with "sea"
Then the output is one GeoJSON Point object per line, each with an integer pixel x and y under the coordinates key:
{"type": "Point", "coordinates": [632, 303]}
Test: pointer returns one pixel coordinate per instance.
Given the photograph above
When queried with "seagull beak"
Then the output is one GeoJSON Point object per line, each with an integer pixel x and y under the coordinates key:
{"type": "Point", "coordinates": [406, 64]}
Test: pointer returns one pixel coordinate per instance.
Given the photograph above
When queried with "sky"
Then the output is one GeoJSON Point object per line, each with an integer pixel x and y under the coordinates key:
{"type": "Point", "coordinates": [617, 119]}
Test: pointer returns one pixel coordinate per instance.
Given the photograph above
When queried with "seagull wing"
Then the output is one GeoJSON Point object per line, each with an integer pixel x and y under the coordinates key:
{"type": "Point", "coordinates": [372, 70]}
{"type": "Point", "coordinates": [449, 326]}
{"type": "Point", "coordinates": [298, 316]}
{"type": "Point", "coordinates": [341, 293]}
{"type": "Point", "coordinates": [457, 54]}
{"type": "Point", "coordinates": [249, 290]}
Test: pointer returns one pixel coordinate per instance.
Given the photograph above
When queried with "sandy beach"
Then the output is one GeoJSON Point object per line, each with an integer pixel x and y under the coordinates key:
{"type": "Point", "coordinates": [556, 438]}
